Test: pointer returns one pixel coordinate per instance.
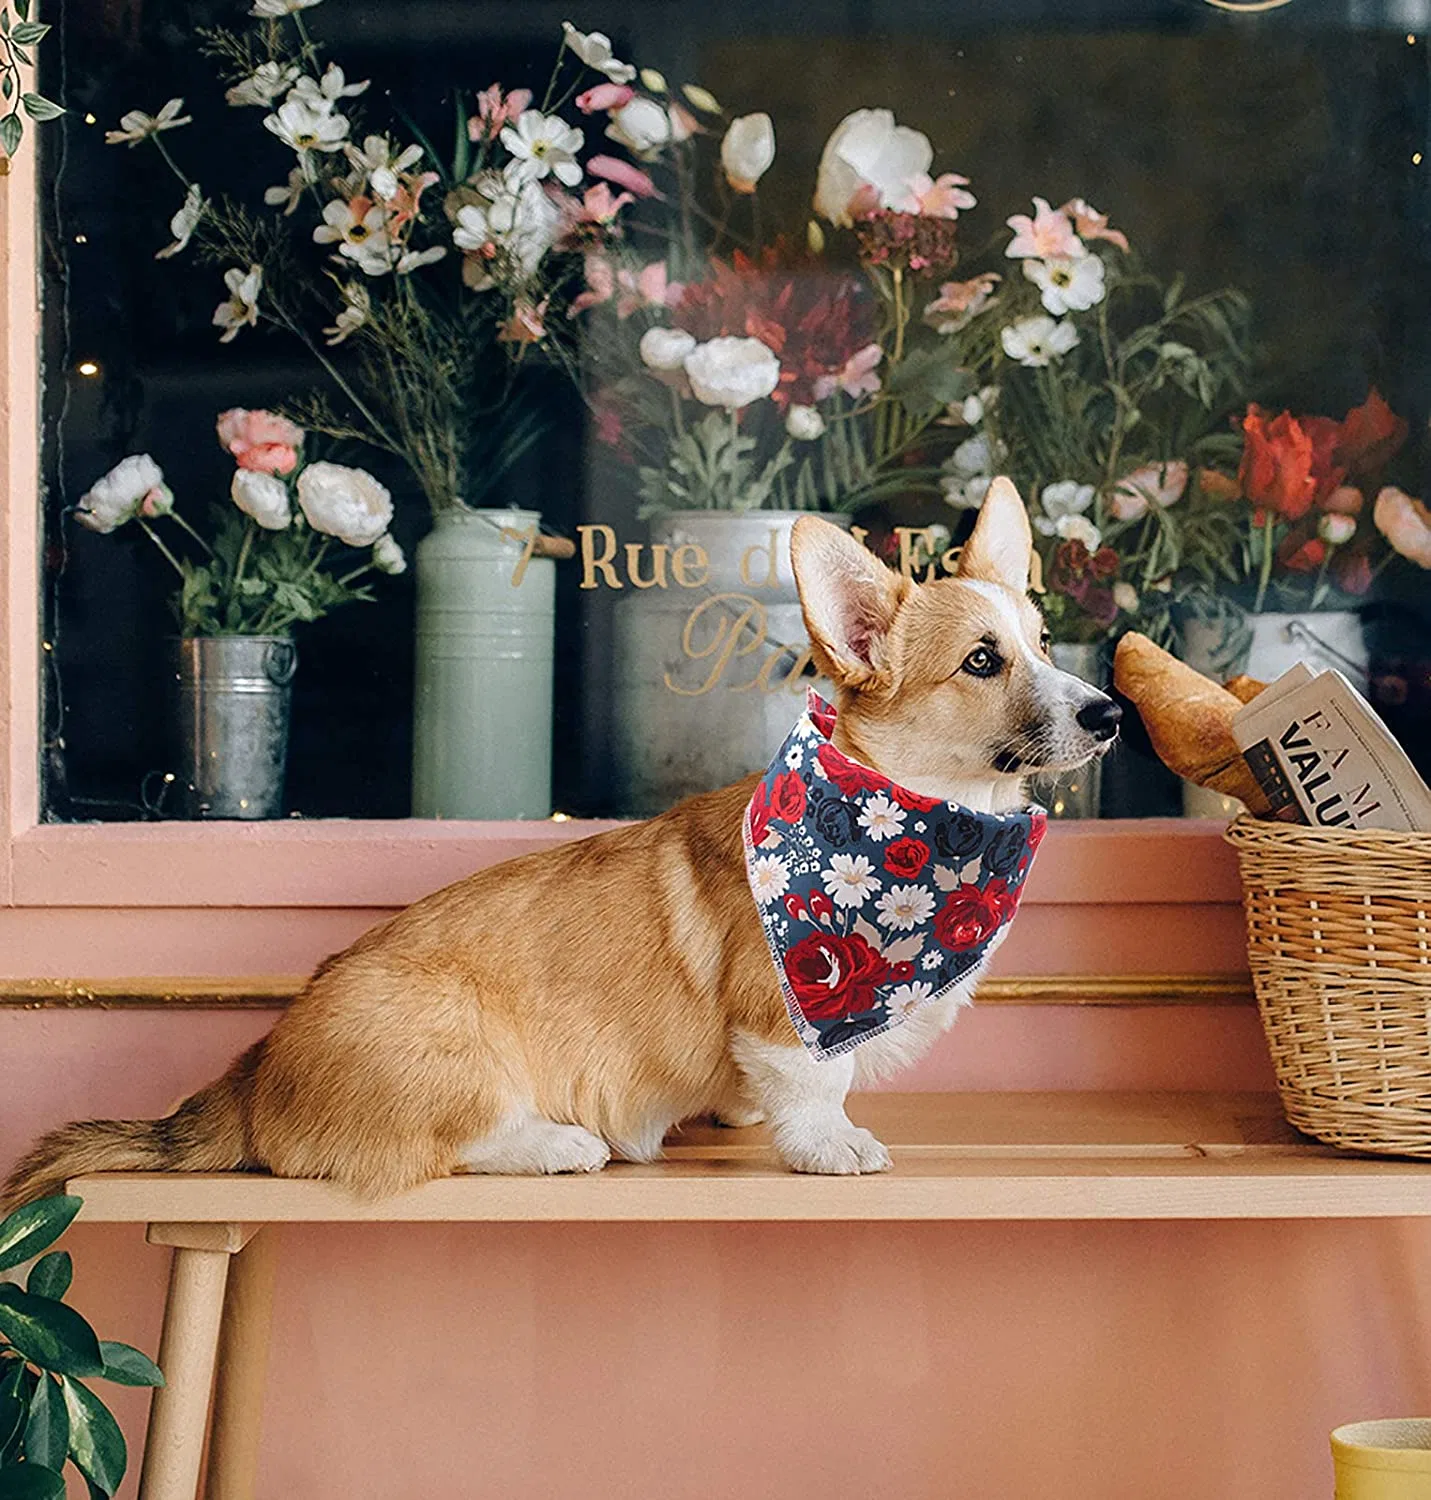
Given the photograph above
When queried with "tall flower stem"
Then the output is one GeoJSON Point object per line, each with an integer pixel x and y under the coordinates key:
{"type": "Point", "coordinates": [158, 541]}
{"type": "Point", "coordinates": [900, 318]}
{"type": "Point", "coordinates": [1269, 525]}
{"type": "Point", "coordinates": [184, 525]}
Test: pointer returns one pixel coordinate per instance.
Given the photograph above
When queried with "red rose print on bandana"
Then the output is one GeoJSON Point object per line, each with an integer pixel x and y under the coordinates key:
{"type": "Point", "coordinates": [758, 817]}
{"type": "Point", "coordinates": [787, 798]}
{"type": "Point", "coordinates": [833, 975]}
{"type": "Point", "coordinates": [850, 777]}
{"type": "Point", "coordinates": [912, 801]}
{"type": "Point", "coordinates": [823, 718]}
{"type": "Point", "coordinates": [971, 916]}
{"type": "Point", "coordinates": [906, 857]}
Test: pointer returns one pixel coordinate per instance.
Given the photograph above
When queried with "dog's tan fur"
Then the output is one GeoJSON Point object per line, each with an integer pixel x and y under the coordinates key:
{"type": "Point", "coordinates": [620, 983]}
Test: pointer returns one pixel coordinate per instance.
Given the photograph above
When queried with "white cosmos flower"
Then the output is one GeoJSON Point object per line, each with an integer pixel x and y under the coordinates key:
{"type": "Point", "coordinates": [262, 496]}
{"type": "Point", "coordinates": [904, 998]}
{"type": "Point", "coordinates": [241, 309]}
{"type": "Point", "coordinates": [542, 144]}
{"type": "Point", "coordinates": [263, 85]}
{"type": "Point", "coordinates": [514, 228]}
{"type": "Point", "coordinates": [184, 223]}
{"type": "Point", "coordinates": [323, 93]}
{"type": "Point", "coordinates": [904, 907]}
{"type": "Point", "coordinates": [381, 165]}
{"type": "Point", "coordinates": [882, 818]}
{"type": "Point", "coordinates": [117, 496]}
{"type": "Point", "coordinates": [136, 126]}
{"type": "Point", "coordinates": [375, 256]}
{"type": "Point", "coordinates": [388, 556]}
{"type": "Point", "coordinates": [642, 126]}
{"type": "Point", "coordinates": [357, 305]}
{"type": "Point", "coordinates": [1078, 529]}
{"type": "Point", "coordinates": [804, 424]}
{"type": "Point", "coordinates": [747, 151]}
{"type": "Point", "coordinates": [346, 503]}
{"type": "Point", "coordinates": [850, 880]}
{"type": "Point", "coordinates": [290, 195]}
{"type": "Point", "coordinates": [665, 348]}
{"type": "Point", "coordinates": [275, 8]}
{"type": "Point", "coordinates": [413, 260]}
{"type": "Point", "coordinates": [1065, 498]}
{"type": "Point", "coordinates": [732, 372]}
{"type": "Point", "coordinates": [871, 157]}
{"type": "Point", "coordinates": [594, 49]}
{"type": "Point", "coordinates": [769, 878]}
{"type": "Point", "coordinates": [351, 223]}
{"type": "Point", "coordinates": [1067, 283]}
{"type": "Point", "coordinates": [1038, 340]}
{"type": "Point", "coordinates": [306, 127]}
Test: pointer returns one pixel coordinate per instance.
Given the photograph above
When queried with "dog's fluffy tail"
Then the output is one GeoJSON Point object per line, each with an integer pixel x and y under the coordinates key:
{"type": "Point", "coordinates": [205, 1134]}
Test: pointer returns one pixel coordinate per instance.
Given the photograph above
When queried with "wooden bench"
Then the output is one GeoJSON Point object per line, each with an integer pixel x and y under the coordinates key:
{"type": "Point", "coordinates": [956, 1156]}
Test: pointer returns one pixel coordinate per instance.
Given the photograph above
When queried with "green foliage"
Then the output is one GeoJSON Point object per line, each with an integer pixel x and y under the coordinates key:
{"type": "Point", "coordinates": [711, 466]}
{"type": "Point", "coordinates": [15, 44]}
{"type": "Point", "coordinates": [48, 1416]}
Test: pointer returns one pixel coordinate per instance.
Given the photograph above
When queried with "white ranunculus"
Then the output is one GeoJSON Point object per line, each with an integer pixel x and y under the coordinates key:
{"type": "Point", "coordinates": [804, 424]}
{"type": "Point", "coordinates": [388, 557]}
{"type": "Point", "coordinates": [594, 49]}
{"type": "Point", "coordinates": [868, 151]}
{"type": "Point", "coordinates": [642, 126]}
{"type": "Point", "coordinates": [262, 496]}
{"type": "Point", "coordinates": [1078, 529]}
{"type": "Point", "coordinates": [1336, 530]}
{"type": "Point", "coordinates": [747, 151]}
{"type": "Point", "coordinates": [346, 503]}
{"type": "Point", "coordinates": [116, 498]}
{"type": "Point", "coordinates": [1065, 498]}
{"type": "Point", "coordinates": [666, 348]}
{"type": "Point", "coordinates": [1067, 283]}
{"type": "Point", "coordinates": [732, 372]}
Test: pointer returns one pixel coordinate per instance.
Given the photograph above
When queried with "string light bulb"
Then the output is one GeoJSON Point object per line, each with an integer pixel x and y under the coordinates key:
{"type": "Point", "coordinates": [88, 368]}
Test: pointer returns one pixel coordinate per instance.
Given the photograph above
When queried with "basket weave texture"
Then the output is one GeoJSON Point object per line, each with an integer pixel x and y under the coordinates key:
{"type": "Point", "coordinates": [1339, 943]}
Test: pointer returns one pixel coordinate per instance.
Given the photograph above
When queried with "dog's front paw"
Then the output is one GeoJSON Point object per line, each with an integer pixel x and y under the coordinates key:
{"type": "Point", "coordinates": [843, 1152]}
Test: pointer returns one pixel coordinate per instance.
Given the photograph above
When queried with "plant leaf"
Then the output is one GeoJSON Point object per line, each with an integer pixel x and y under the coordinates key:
{"type": "Point", "coordinates": [96, 1443]}
{"type": "Point", "coordinates": [51, 1275]}
{"type": "Point", "coordinates": [30, 1228]}
{"type": "Point", "coordinates": [12, 1413]}
{"type": "Point", "coordinates": [47, 1432]}
{"type": "Point", "coordinates": [12, 128]}
{"type": "Point", "coordinates": [48, 1333]}
{"type": "Point", "coordinates": [40, 108]}
{"type": "Point", "coordinates": [29, 32]}
{"type": "Point", "coordinates": [125, 1365]}
{"type": "Point", "coordinates": [31, 1482]}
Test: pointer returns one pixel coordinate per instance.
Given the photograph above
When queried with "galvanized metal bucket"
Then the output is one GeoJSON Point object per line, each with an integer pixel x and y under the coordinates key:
{"type": "Point", "coordinates": [234, 698]}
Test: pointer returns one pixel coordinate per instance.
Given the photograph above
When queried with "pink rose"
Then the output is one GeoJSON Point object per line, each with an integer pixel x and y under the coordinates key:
{"type": "Point", "coordinates": [260, 440]}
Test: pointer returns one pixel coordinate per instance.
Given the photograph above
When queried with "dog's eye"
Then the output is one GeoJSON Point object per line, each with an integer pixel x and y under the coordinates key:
{"type": "Point", "coordinates": [981, 662]}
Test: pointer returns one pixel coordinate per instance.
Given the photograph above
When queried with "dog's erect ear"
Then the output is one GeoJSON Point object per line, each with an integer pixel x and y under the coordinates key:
{"type": "Point", "coordinates": [849, 598]}
{"type": "Point", "coordinates": [1002, 543]}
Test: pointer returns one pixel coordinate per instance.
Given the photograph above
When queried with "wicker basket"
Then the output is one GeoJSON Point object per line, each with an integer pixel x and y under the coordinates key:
{"type": "Point", "coordinates": [1339, 941]}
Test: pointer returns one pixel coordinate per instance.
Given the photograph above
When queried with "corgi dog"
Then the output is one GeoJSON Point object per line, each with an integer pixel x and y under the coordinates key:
{"type": "Point", "coordinates": [547, 1013]}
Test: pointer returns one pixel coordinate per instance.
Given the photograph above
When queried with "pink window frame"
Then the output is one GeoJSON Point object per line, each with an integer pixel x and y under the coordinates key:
{"type": "Point", "coordinates": [1181, 874]}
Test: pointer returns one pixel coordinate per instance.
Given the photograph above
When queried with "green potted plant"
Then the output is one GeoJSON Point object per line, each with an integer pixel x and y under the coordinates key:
{"type": "Point", "coordinates": [49, 1416]}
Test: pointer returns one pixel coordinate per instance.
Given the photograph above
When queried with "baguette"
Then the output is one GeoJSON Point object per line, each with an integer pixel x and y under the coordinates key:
{"type": "Point", "coordinates": [1188, 718]}
{"type": "Point", "coordinates": [1244, 688]}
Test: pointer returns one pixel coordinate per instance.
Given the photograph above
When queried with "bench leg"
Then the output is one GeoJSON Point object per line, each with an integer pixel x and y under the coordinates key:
{"type": "Point", "coordinates": [178, 1415]}
{"type": "Point", "coordinates": [243, 1363]}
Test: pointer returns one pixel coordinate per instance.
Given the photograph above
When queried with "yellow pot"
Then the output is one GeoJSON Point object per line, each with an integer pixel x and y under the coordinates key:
{"type": "Point", "coordinates": [1388, 1460]}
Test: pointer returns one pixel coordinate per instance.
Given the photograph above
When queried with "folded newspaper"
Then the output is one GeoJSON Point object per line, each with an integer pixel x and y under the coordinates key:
{"type": "Point", "coordinates": [1322, 756]}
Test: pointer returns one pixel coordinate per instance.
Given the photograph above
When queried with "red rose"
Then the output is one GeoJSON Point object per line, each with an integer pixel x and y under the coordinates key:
{"type": "Point", "coordinates": [823, 718]}
{"type": "Point", "coordinates": [1277, 463]}
{"type": "Point", "coordinates": [912, 801]}
{"type": "Point", "coordinates": [1038, 826]}
{"type": "Point", "coordinates": [759, 816]}
{"type": "Point", "coordinates": [971, 916]}
{"type": "Point", "coordinates": [787, 797]}
{"type": "Point", "coordinates": [834, 976]}
{"type": "Point", "coordinates": [1302, 556]}
{"type": "Point", "coordinates": [906, 857]}
{"type": "Point", "coordinates": [852, 779]}
{"type": "Point", "coordinates": [1325, 435]}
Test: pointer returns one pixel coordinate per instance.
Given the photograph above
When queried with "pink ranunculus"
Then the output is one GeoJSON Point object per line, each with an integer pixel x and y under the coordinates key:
{"type": "Point", "coordinates": [1048, 235]}
{"type": "Point", "coordinates": [1092, 225]}
{"type": "Point", "coordinates": [856, 377]}
{"type": "Point", "coordinates": [605, 96]}
{"type": "Point", "coordinates": [260, 440]}
{"type": "Point", "coordinates": [623, 174]}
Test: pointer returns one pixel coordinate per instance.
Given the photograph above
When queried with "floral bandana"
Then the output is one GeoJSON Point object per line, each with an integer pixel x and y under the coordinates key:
{"type": "Point", "coordinates": [874, 900]}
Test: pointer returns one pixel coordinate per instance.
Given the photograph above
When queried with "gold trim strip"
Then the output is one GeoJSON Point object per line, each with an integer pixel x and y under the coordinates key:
{"type": "Point", "coordinates": [272, 993]}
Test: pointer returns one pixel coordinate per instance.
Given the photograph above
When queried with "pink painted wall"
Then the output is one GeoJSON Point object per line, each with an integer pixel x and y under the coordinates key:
{"type": "Point", "coordinates": [1019, 1362]}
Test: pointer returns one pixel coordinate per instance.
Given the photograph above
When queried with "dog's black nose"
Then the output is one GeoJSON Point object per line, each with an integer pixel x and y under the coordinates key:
{"type": "Point", "coordinates": [1100, 718]}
